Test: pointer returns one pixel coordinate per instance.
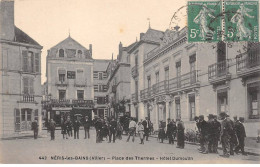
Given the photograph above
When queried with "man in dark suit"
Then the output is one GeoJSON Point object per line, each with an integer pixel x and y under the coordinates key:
{"type": "Point", "coordinates": [112, 130]}
{"type": "Point", "coordinates": [241, 134]}
{"type": "Point", "coordinates": [87, 127]}
{"type": "Point", "coordinates": [76, 126]}
{"type": "Point", "coordinates": [217, 129]}
{"type": "Point", "coordinates": [226, 130]}
{"type": "Point", "coordinates": [98, 126]}
{"type": "Point", "coordinates": [145, 123]}
{"type": "Point", "coordinates": [211, 132]}
{"type": "Point", "coordinates": [52, 127]}
{"type": "Point", "coordinates": [204, 134]}
{"type": "Point", "coordinates": [35, 127]}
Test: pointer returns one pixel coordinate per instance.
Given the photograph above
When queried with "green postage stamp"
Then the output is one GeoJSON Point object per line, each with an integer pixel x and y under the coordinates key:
{"type": "Point", "coordinates": [212, 21]}
{"type": "Point", "coordinates": [241, 21]}
{"type": "Point", "coordinates": [204, 21]}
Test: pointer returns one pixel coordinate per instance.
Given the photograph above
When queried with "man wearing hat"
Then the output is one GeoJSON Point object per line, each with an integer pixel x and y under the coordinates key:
{"type": "Point", "coordinates": [146, 128]}
{"type": "Point", "coordinates": [217, 129]}
{"type": "Point", "coordinates": [196, 119]}
{"type": "Point", "coordinates": [226, 128]}
{"type": "Point", "coordinates": [204, 134]}
{"type": "Point", "coordinates": [241, 134]}
{"type": "Point", "coordinates": [112, 130]}
{"type": "Point", "coordinates": [180, 134]}
{"type": "Point", "coordinates": [211, 132]}
{"type": "Point", "coordinates": [87, 127]}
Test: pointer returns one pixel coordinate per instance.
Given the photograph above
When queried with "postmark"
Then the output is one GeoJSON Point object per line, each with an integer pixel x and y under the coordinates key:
{"type": "Point", "coordinates": [241, 21]}
{"type": "Point", "coordinates": [204, 23]}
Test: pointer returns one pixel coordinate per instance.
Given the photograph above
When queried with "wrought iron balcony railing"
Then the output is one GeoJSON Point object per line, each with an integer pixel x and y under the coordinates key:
{"type": "Point", "coordinates": [218, 70]}
{"type": "Point", "coordinates": [247, 62]}
{"type": "Point", "coordinates": [62, 83]}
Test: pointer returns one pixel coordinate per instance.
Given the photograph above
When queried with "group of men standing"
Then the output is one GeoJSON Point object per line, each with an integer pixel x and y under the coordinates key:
{"type": "Point", "coordinates": [106, 127]}
{"type": "Point", "coordinates": [230, 133]}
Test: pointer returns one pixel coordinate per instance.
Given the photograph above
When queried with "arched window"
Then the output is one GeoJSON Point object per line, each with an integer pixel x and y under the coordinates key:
{"type": "Point", "coordinates": [79, 53]}
{"type": "Point", "coordinates": [61, 53]}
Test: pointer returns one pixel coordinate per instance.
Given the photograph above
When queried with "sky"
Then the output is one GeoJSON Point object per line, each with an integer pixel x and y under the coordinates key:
{"type": "Point", "coordinates": [102, 23]}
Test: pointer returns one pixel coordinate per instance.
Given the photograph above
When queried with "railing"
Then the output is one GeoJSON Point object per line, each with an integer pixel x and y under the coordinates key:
{"type": "Point", "coordinates": [161, 87]}
{"type": "Point", "coordinates": [164, 87]}
{"type": "Point", "coordinates": [28, 98]}
{"type": "Point", "coordinates": [247, 61]}
{"type": "Point", "coordinates": [69, 103]}
{"type": "Point", "coordinates": [80, 84]}
{"type": "Point", "coordinates": [218, 69]}
{"type": "Point", "coordinates": [82, 101]}
{"type": "Point", "coordinates": [62, 83]}
{"type": "Point", "coordinates": [135, 71]}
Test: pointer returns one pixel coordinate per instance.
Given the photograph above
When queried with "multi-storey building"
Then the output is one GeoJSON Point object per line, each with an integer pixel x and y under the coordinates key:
{"type": "Point", "coordinates": [148, 41]}
{"type": "Point", "coordinates": [69, 85]}
{"type": "Point", "coordinates": [118, 83]}
{"type": "Point", "coordinates": [100, 87]}
{"type": "Point", "coordinates": [20, 88]}
{"type": "Point", "coordinates": [184, 80]}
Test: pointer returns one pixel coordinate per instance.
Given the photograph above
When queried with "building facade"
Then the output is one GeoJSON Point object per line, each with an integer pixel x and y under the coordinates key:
{"type": "Point", "coordinates": [100, 87]}
{"type": "Point", "coordinates": [20, 88]}
{"type": "Point", "coordinates": [69, 85]}
{"type": "Point", "coordinates": [118, 83]}
{"type": "Point", "coordinates": [183, 80]}
{"type": "Point", "coordinates": [148, 41]}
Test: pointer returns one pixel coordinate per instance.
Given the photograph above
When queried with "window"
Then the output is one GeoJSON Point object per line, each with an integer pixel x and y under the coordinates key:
{"type": "Point", "coordinates": [253, 100]}
{"type": "Point", "coordinates": [178, 108]}
{"type": "Point", "coordinates": [61, 53]}
{"type": "Point", "coordinates": [192, 62]}
{"type": "Point", "coordinates": [79, 53]}
{"type": "Point", "coordinates": [28, 61]}
{"type": "Point", "coordinates": [100, 76]}
{"type": "Point", "coordinates": [29, 115]}
{"type": "Point", "coordinates": [36, 114]}
{"type": "Point", "coordinates": [178, 73]}
{"type": "Point", "coordinates": [101, 100]}
{"type": "Point", "coordinates": [149, 81]}
{"type": "Point", "coordinates": [157, 77]}
{"type": "Point", "coordinates": [23, 115]}
{"type": "Point", "coordinates": [80, 94]}
{"type": "Point", "coordinates": [166, 71]}
{"type": "Point", "coordinates": [28, 87]}
{"type": "Point", "coordinates": [136, 60]}
{"type": "Point", "coordinates": [102, 88]}
{"type": "Point", "coordinates": [95, 88]}
{"type": "Point", "coordinates": [71, 74]}
{"type": "Point", "coordinates": [95, 75]}
{"type": "Point", "coordinates": [192, 107]}
{"type": "Point", "coordinates": [136, 90]}
{"type": "Point", "coordinates": [223, 101]}
{"type": "Point", "coordinates": [62, 94]}
{"type": "Point", "coordinates": [37, 62]}
{"type": "Point", "coordinates": [62, 78]}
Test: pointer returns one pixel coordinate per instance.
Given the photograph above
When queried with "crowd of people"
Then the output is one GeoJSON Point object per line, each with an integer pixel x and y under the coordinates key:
{"type": "Point", "coordinates": [230, 133]}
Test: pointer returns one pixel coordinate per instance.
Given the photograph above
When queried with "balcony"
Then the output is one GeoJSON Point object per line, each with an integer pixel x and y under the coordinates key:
{"type": "Point", "coordinates": [219, 72]}
{"type": "Point", "coordinates": [28, 98]}
{"type": "Point", "coordinates": [146, 94]}
{"type": "Point", "coordinates": [62, 83]}
{"type": "Point", "coordinates": [80, 84]}
{"type": "Point", "coordinates": [69, 103]}
{"type": "Point", "coordinates": [181, 83]}
{"type": "Point", "coordinates": [135, 71]}
{"type": "Point", "coordinates": [248, 65]}
{"type": "Point", "coordinates": [134, 98]}
{"type": "Point", "coordinates": [184, 82]}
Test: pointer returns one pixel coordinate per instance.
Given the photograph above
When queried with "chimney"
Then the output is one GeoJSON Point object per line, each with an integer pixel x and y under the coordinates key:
{"type": "Point", "coordinates": [120, 49]}
{"type": "Point", "coordinates": [90, 49]}
{"type": "Point", "coordinates": [141, 35]}
{"type": "Point", "coordinates": [7, 19]}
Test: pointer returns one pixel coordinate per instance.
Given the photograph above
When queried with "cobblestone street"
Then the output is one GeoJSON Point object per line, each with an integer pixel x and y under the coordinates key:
{"type": "Point", "coordinates": [80, 150]}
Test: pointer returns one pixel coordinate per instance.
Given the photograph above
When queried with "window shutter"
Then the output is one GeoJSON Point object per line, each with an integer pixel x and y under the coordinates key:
{"type": "Point", "coordinates": [26, 85]}
{"type": "Point", "coordinates": [32, 63]}
{"type": "Point", "coordinates": [25, 60]}
{"type": "Point", "coordinates": [37, 62]}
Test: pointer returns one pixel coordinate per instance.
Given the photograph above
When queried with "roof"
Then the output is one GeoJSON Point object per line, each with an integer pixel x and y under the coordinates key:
{"type": "Point", "coordinates": [69, 43]}
{"type": "Point", "coordinates": [100, 64]}
{"type": "Point", "coordinates": [130, 46]}
{"type": "Point", "coordinates": [22, 37]}
{"type": "Point", "coordinates": [153, 35]}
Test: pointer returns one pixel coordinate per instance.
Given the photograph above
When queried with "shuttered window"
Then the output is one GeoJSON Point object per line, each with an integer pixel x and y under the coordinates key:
{"type": "Point", "coordinates": [28, 87]}
{"type": "Point", "coordinates": [25, 60]}
{"type": "Point", "coordinates": [37, 62]}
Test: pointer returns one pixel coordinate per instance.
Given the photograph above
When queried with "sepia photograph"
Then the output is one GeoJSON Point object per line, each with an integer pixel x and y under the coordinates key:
{"type": "Point", "coordinates": [129, 82]}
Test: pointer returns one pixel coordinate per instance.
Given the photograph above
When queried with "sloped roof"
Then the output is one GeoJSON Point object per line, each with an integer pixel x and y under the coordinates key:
{"type": "Point", "coordinates": [153, 35]}
{"type": "Point", "coordinates": [22, 37]}
{"type": "Point", "coordinates": [69, 43]}
{"type": "Point", "coordinates": [100, 64]}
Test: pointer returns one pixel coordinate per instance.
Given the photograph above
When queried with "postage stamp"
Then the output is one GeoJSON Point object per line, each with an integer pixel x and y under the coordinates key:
{"type": "Point", "coordinates": [204, 21]}
{"type": "Point", "coordinates": [241, 21]}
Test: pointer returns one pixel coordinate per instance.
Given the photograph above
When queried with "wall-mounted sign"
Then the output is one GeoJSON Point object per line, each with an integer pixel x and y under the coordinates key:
{"type": "Point", "coordinates": [71, 74]}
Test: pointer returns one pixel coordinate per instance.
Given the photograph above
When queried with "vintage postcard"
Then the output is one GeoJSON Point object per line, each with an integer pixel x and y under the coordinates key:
{"type": "Point", "coordinates": [129, 81]}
